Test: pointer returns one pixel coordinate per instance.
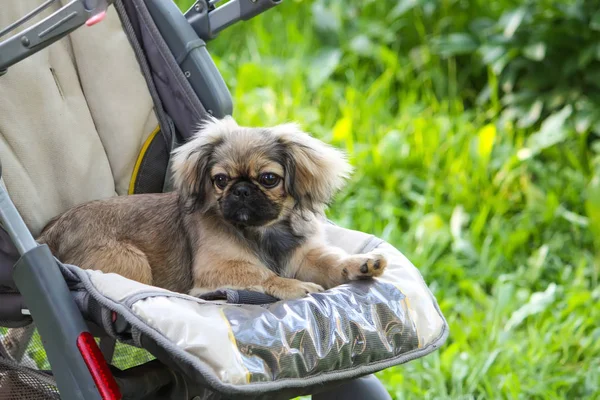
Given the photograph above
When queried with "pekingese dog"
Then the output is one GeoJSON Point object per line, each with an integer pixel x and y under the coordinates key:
{"type": "Point", "coordinates": [245, 214]}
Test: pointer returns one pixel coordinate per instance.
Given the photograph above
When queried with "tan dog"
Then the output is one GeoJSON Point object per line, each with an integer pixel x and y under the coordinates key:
{"type": "Point", "coordinates": [244, 214]}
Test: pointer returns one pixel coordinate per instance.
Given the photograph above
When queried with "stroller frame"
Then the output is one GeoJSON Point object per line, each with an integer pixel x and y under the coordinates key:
{"type": "Point", "coordinates": [78, 365]}
{"type": "Point", "coordinates": [77, 368]}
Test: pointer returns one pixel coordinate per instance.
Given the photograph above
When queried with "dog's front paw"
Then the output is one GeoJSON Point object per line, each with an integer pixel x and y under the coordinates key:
{"type": "Point", "coordinates": [364, 266]}
{"type": "Point", "coordinates": [286, 289]}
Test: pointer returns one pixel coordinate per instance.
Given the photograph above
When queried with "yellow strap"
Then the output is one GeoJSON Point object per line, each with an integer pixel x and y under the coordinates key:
{"type": "Point", "coordinates": [138, 163]}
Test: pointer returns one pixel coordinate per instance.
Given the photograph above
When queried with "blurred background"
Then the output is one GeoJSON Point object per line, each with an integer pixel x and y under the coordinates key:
{"type": "Point", "coordinates": [473, 127]}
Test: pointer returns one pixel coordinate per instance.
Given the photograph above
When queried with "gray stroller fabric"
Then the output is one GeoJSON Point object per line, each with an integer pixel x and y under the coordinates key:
{"type": "Point", "coordinates": [175, 93]}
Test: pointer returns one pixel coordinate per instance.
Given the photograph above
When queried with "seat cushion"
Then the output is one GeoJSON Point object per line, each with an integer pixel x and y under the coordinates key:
{"type": "Point", "coordinates": [345, 332]}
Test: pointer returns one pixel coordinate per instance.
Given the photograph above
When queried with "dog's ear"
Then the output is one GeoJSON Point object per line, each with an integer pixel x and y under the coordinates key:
{"type": "Point", "coordinates": [315, 171]}
{"type": "Point", "coordinates": [193, 161]}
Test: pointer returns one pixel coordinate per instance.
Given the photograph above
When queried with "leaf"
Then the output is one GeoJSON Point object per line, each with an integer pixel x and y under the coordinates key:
{"type": "Point", "coordinates": [485, 141]}
{"type": "Point", "coordinates": [323, 66]}
{"type": "Point", "coordinates": [513, 21]}
{"type": "Point", "coordinates": [324, 19]}
{"type": "Point", "coordinates": [587, 55]}
{"type": "Point", "coordinates": [532, 116]}
{"type": "Point", "coordinates": [342, 130]}
{"type": "Point", "coordinates": [591, 77]}
{"type": "Point", "coordinates": [430, 226]}
{"type": "Point", "coordinates": [538, 302]}
{"type": "Point", "coordinates": [536, 262]}
{"type": "Point", "coordinates": [488, 362]}
{"type": "Point", "coordinates": [595, 21]}
{"type": "Point", "coordinates": [551, 133]}
{"type": "Point", "coordinates": [361, 45]}
{"type": "Point", "coordinates": [454, 44]}
{"type": "Point", "coordinates": [490, 54]}
{"type": "Point", "coordinates": [584, 120]}
{"type": "Point", "coordinates": [481, 25]}
{"type": "Point", "coordinates": [535, 52]}
{"type": "Point", "coordinates": [391, 142]}
{"type": "Point", "coordinates": [576, 300]}
{"type": "Point", "coordinates": [484, 96]}
{"type": "Point", "coordinates": [402, 7]}
{"type": "Point", "coordinates": [380, 32]}
{"type": "Point", "coordinates": [388, 57]}
{"type": "Point", "coordinates": [448, 356]}
{"type": "Point", "coordinates": [458, 221]}
{"type": "Point", "coordinates": [592, 206]}
{"type": "Point", "coordinates": [572, 217]}
{"type": "Point", "coordinates": [497, 56]}
{"type": "Point", "coordinates": [419, 56]}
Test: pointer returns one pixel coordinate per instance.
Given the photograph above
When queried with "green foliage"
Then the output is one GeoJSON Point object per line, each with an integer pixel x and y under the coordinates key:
{"type": "Point", "coordinates": [543, 56]}
{"type": "Point", "coordinates": [470, 124]}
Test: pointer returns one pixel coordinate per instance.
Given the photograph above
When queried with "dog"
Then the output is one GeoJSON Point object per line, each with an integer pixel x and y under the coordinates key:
{"type": "Point", "coordinates": [246, 212]}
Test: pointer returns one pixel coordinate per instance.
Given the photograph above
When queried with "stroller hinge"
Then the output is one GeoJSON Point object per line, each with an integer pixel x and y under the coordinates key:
{"type": "Point", "coordinates": [208, 21]}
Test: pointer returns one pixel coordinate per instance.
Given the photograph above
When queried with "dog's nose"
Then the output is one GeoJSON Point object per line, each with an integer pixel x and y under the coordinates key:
{"type": "Point", "coordinates": [241, 190]}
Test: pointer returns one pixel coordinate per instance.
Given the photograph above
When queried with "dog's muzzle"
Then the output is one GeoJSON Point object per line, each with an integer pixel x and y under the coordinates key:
{"type": "Point", "coordinates": [248, 205]}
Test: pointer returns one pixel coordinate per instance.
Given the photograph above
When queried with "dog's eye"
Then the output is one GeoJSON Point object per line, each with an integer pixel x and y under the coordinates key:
{"type": "Point", "coordinates": [269, 180]}
{"type": "Point", "coordinates": [221, 180]}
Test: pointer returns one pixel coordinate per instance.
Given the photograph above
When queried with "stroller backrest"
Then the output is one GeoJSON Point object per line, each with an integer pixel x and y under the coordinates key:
{"type": "Point", "coordinates": [73, 118]}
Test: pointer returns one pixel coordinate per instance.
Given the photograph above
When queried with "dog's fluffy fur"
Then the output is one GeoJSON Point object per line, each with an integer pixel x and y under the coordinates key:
{"type": "Point", "coordinates": [244, 214]}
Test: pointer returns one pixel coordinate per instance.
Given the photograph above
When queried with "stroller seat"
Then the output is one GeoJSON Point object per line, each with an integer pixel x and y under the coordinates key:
{"type": "Point", "coordinates": [74, 117]}
{"type": "Point", "coordinates": [96, 114]}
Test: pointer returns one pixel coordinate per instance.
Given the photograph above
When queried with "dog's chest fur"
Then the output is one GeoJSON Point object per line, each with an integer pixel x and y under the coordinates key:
{"type": "Point", "coordinates": [274, 245]}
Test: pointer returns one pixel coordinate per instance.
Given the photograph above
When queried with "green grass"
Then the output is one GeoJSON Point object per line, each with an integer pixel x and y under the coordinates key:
{"type": "Point", "coordinates": [509, 244]}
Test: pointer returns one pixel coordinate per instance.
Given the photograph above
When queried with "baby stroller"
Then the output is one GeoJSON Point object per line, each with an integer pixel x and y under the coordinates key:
{"type": "Point", "coordinates": [97, 114]}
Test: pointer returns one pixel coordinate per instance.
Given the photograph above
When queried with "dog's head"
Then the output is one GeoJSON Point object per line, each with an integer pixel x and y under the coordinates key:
{"type": "Point", "coordinates": [256, 176]}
